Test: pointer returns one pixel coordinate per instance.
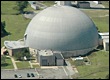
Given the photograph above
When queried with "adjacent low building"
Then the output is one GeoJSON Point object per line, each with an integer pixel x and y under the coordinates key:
{"type": "Point", "coordinates": [14, 46]}
{"type": "Point", "coordinates": [81, 4]}
{"type": "Point", "coordinates": [104, 40]}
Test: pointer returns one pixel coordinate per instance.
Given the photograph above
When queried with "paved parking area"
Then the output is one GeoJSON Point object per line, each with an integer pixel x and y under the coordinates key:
{"type": "Point", "coordinates": [40, 73]}
{"type": "Point", "coordinates": [9, 74]}
{"type": "Point", "coordinates": [52, 73]}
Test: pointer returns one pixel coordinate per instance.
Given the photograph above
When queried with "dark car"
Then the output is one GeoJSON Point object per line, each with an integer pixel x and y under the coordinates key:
{"type": "Point", "coordinates": [32, 75]}
{"type": "Point", "coordinates": [15, 76]}
{"type": "Point", "coordinates": [28, 75]}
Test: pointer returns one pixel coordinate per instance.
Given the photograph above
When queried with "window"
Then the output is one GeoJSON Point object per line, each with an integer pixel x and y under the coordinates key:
{"type": "Point", "coordinates": [25, 36]}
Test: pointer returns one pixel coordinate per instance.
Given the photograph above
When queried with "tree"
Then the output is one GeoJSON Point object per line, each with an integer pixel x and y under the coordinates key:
{"type": "Point", "coordinates": [21, 5]}
{"type": "Point", "coordinates": [107, 76]}
{"type": "Point", "coordinates": [3, 28]}
{"type": "Point", "coordinates": [23, 53]}
{"type": "Point", "coordinates": [18, 55]}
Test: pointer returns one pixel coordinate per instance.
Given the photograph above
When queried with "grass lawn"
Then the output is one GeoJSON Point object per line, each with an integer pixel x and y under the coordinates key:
{"type": "Point", "coordinates": [105, 3]}
{"type": "Point", "coordinates": [97, 75]}
{"type": "Point", "coordinates": [23, 64]}
{"type": "Point", "coordinates": [48, 3]}
{"type": "Point", "coordinates": [7, 64]}
{"type": "Point", "coordinates": [35, 66]}
{"type": "Point", "coordinates": [100, 18]}
{"type": "Point", "coordinates": [99, 65]}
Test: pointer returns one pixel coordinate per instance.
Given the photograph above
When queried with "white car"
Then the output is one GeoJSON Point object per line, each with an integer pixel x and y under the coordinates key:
{"type": "Point", "coordinates": [20, 76]}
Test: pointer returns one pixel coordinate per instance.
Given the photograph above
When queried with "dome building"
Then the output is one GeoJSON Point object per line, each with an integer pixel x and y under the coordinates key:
{"type": "Point", "coordinates": [62, 28]}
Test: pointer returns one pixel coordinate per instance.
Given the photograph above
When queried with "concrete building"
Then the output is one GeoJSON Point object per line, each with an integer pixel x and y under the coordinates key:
{"type": "Point", "coordinates": [104, 40]}
{"type": "Point", "coordinates": [67, 3]}
{"type": "Point", "coordinates": [64, 29]}
{"type": "Point", "coordinates": [14, 46]}
{"type": "Point", "coordinates": [97, 2]}
{"type": "Point", "coordinates": [82, 4]}
{"type": "Point", "coordinates": [33, 5]}
{"type": "Point", "coordinates": [48, 58]}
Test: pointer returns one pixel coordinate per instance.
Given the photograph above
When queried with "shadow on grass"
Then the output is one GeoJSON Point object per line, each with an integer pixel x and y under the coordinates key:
{"type": "Point", "coordinates": [96, 8]}
{"type": "Point", "coordinates": [4, 64]}
{"type": "Point", "coordinates": [5, 34]}
{"type": "Point", "coordinates": [25, 60]}
{"type": "Point", "coordinates": [89, 53]}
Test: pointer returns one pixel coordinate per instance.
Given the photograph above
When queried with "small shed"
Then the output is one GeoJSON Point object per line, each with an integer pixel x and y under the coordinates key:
{"type": "Point", "coordinates": [68, 3]}
{"type": "Point", "coordinates": [83, 4]}
{"type": "Point", "coordinates": [79, 58]}
{"type": "Point", "coordinates": [34, 6]}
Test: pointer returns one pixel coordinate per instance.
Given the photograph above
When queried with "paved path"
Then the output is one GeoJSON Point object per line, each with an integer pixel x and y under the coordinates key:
{"type": "Point", "coordinates": [13, 61]}
{"type": "Point", "coordinates": [30, 64]}
{"type": "Point", "coordinates": [70, 69]}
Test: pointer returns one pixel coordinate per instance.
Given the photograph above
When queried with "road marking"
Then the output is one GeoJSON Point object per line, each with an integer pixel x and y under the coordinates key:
{"type": "Point", "coordinates": [64, 70]}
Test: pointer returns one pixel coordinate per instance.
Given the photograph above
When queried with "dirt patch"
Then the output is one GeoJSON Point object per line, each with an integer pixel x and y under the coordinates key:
{"type": "Point", "coordinates": [94, 74]}
{"type": "Point", "coordinates": [104, 15]}
{"type": "Point", "coordinates": [49, 66]}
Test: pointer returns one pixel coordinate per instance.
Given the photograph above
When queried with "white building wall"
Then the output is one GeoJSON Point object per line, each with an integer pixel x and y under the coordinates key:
{"type": "Point", "coordinates": [64, 3]}
{"type": "Point", "coordinates": [106, 46]}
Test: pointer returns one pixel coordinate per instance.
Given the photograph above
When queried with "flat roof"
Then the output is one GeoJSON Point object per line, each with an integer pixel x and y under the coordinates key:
{"type": "Point", "coordinates": [105, 37]}
{"type": "Point", "coordinates": [106, 33]}
{"type": "Point", "coordinates": [106, 40]}
{"type": "Point", "coordinates": [45, 52]}
{"type": "Point", "coordinates": [14, 44]}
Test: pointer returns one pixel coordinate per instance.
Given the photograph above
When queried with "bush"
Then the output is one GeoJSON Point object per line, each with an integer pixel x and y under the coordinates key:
{"type": "Point", "coordinates": [85, 60]}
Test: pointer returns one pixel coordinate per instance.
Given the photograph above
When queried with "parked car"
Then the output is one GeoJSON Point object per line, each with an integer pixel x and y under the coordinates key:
{"type": "Point", "coordinates": [28, 75]}
{"type": "Point", "coordinates": [15, 76]}
{"type": "Point", "coordinates": [32, 75]}
{"type": "Point", "coordinates": [20, 76]}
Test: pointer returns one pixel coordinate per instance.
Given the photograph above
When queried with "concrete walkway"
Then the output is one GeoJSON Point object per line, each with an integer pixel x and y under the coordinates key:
{"type": "Point", "coordinates": [70, 69]}
{"type": "Point", "coordinates": [13, 61]}
{"type": "Point", "coordinates": [30, 64]}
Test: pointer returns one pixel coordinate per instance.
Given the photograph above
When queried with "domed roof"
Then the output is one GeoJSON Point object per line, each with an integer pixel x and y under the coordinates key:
{"type": "Point", "coordinates": [61, 28]}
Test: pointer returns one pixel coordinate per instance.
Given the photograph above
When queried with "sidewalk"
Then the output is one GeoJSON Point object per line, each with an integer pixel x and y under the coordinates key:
{"type": "Point", "coordinates": [13, 61]}
{"type": "Point", "coordinates": [70, 69]}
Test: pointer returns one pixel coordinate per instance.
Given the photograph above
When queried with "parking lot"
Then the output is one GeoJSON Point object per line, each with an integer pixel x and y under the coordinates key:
{"type": "Point", "coordinates": [9, 74]}
{"type": "Point", "coordinates": [45, 73]}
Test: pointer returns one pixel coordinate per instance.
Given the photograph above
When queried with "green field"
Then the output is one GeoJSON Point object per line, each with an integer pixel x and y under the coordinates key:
{"type": "Point", "coordinates": [7, 64]}
{"type": "Point", "coordinates": [99, 67]}
{"type": "Point", "coordinates": [23, 64]}
{"type": "Point", "coordinates": [100, 18]}
{"type": "Point", "coordinates": [48, 3]}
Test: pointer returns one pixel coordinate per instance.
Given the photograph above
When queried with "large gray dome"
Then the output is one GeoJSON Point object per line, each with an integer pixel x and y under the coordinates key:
{"type": "Point", "coordinates": [61, 28]}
